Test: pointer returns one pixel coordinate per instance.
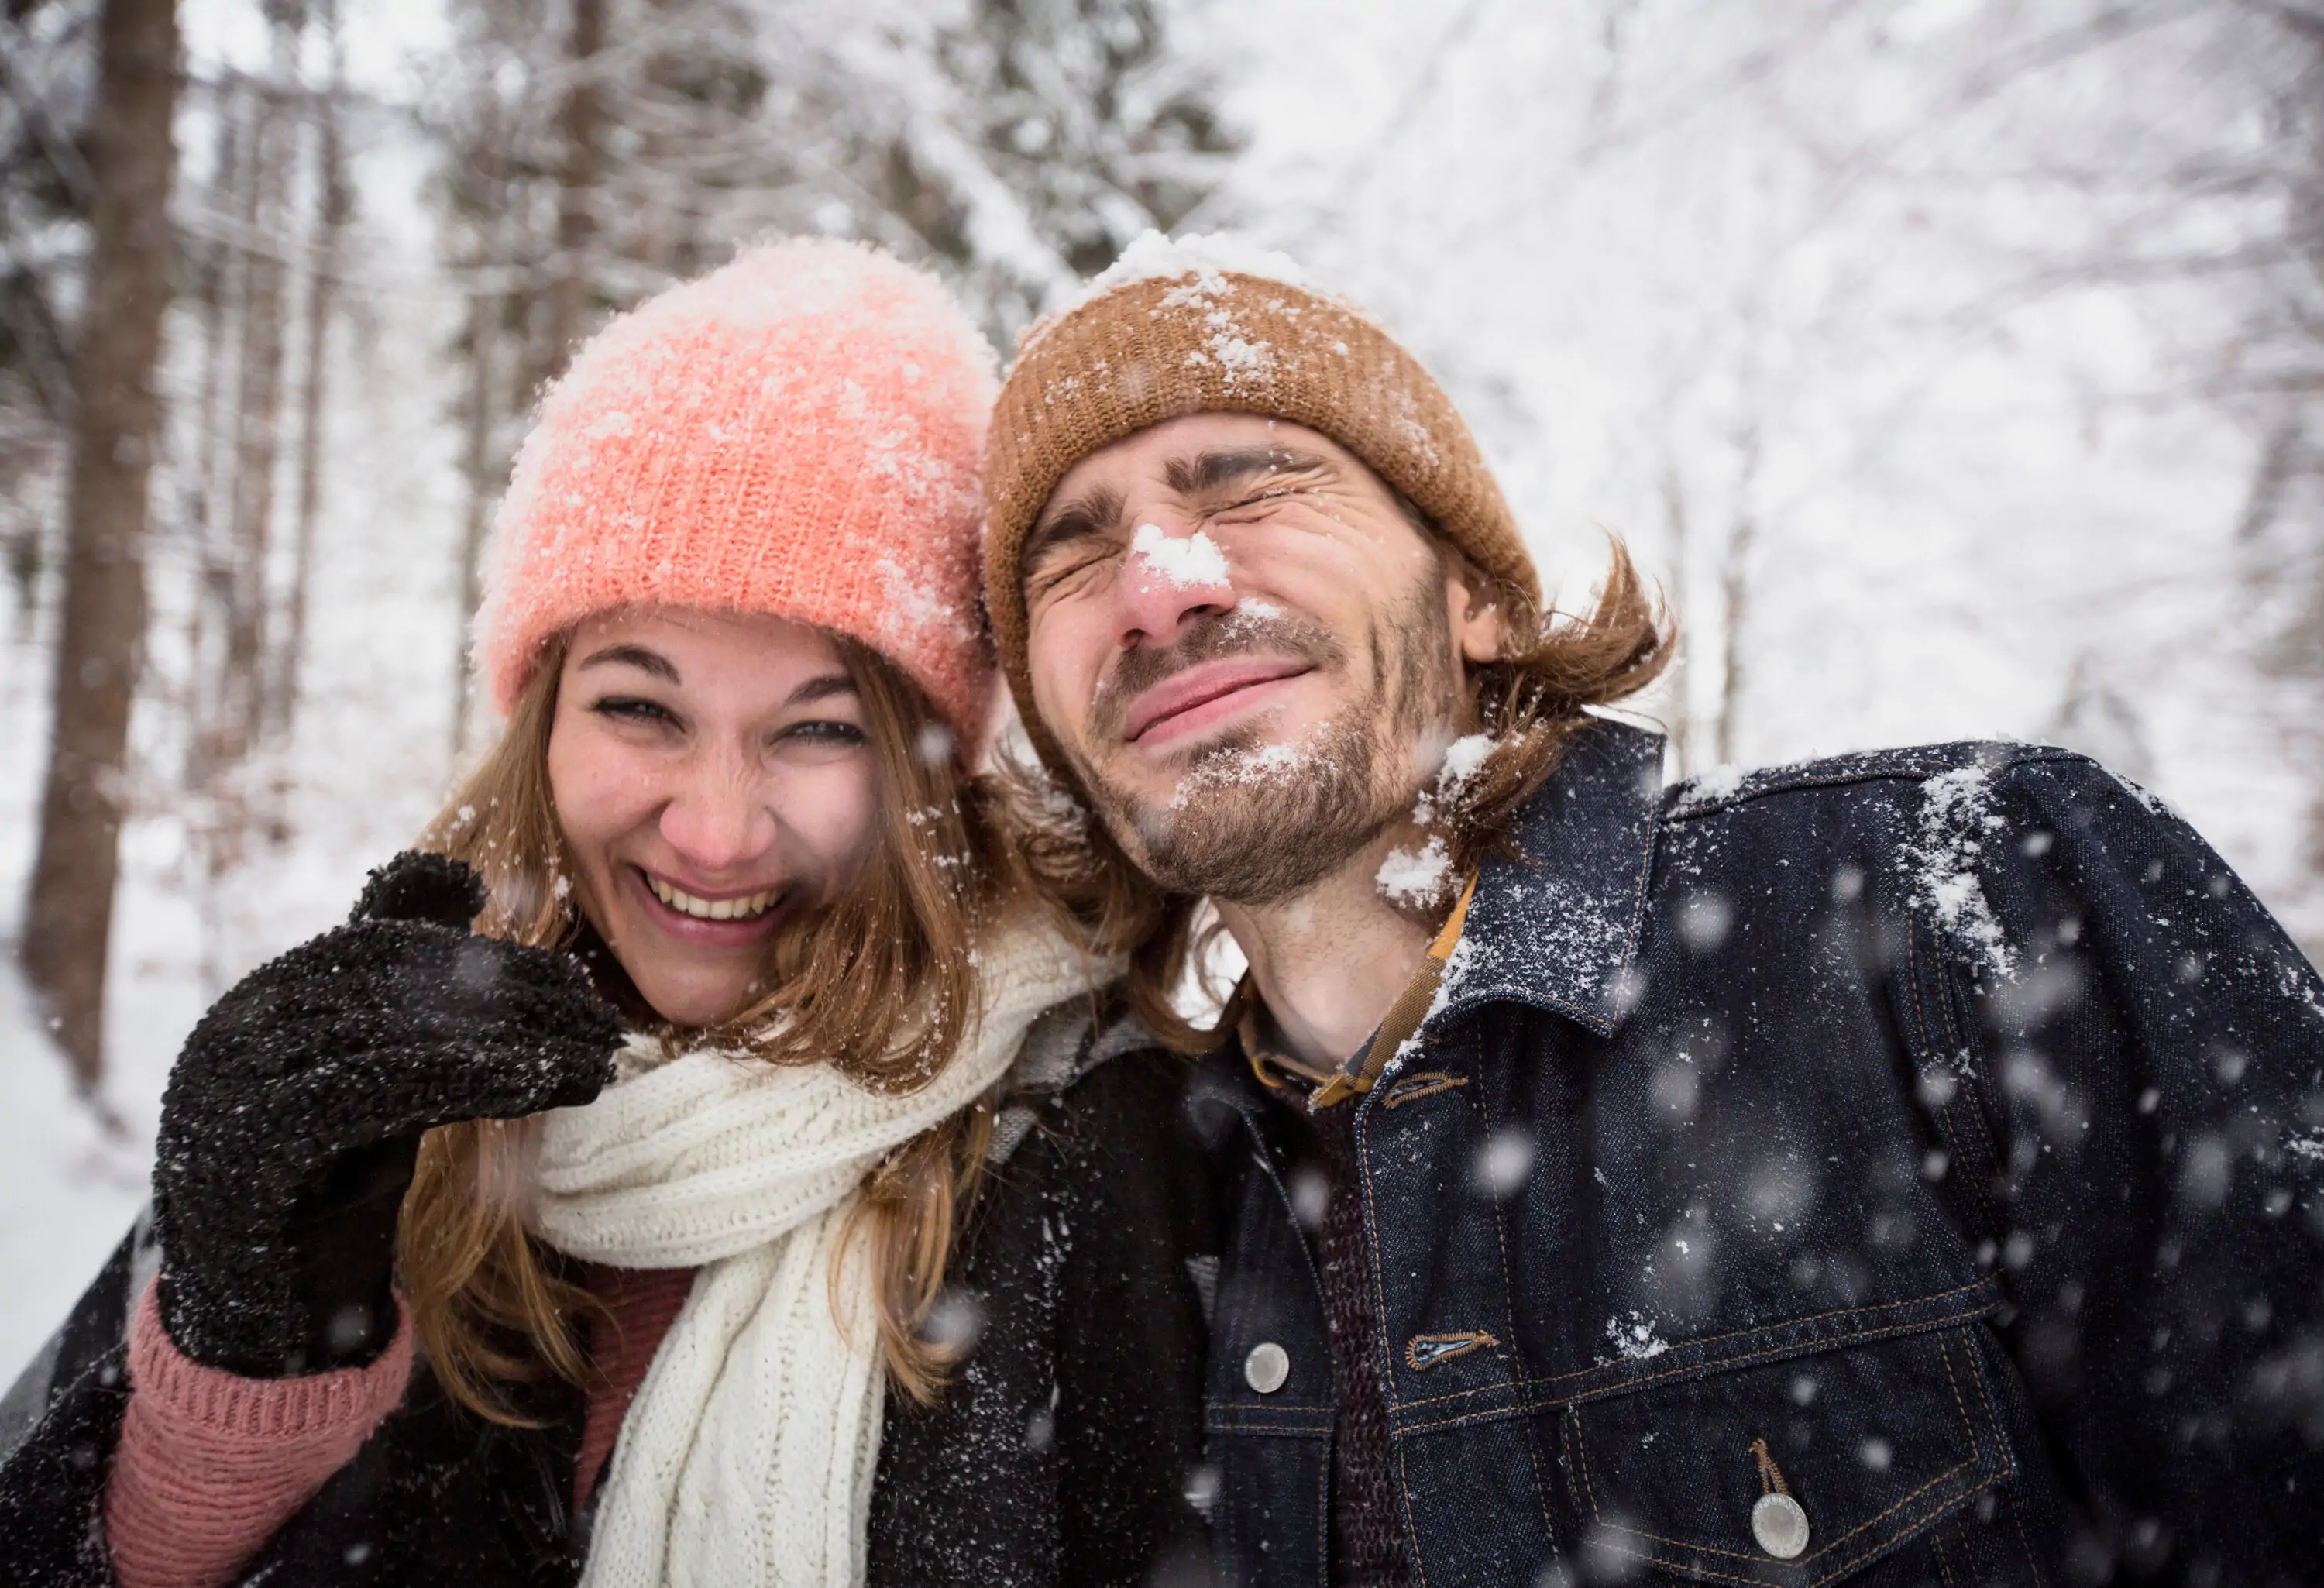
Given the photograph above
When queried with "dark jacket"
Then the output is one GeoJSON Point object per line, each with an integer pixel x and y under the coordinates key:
{"type": "Point", "coordinates": [1059, 1457]}
{"type": "Point", "coordinates": [1950, 1119]}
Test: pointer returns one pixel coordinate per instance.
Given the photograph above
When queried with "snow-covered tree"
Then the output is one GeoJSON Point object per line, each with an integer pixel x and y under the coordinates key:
{"type": "Point", "coordinates": [1094, 124]}
{"type": "Point", "coordinates": [48, 67]}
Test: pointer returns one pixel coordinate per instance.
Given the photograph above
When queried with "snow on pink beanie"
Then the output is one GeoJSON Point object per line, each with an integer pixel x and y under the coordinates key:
{"type": "Point", "coordinates": [794, 434]}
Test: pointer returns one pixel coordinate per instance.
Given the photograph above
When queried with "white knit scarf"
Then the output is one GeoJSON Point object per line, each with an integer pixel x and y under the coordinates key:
{"type": "Point", "coordinates": [747, 1456]}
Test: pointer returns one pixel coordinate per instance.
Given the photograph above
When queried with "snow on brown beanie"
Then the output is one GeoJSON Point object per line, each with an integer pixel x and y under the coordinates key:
{"type": "Point", "coordinates": [1205, 325]}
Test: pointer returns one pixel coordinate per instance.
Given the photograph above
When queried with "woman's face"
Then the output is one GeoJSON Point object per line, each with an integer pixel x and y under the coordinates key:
{"type": "Point", "coordinates": [712, 778]}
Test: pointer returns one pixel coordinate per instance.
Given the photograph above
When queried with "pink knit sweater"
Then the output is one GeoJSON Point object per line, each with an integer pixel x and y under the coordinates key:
{"type": "Point", "coordinates": [211, 1464]}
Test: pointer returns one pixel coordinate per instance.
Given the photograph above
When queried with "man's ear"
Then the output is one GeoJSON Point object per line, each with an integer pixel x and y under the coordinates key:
{"type": "Point", "coordinates": [1479, 627]}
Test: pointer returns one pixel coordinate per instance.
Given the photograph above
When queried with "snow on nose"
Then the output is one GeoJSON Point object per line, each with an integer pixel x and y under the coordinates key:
{"type": "Point", "coordinates": [1176, 563]}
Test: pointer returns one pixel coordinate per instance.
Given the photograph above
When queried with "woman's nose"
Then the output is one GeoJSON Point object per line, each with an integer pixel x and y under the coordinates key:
{"type": "Point", "coordinates": [719, 819]}
{"type": "Point", "coordinates": [1176, 573]}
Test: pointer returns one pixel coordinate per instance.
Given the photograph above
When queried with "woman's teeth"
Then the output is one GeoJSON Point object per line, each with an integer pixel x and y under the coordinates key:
{"type": "Point", "coordinates": [713, 910]}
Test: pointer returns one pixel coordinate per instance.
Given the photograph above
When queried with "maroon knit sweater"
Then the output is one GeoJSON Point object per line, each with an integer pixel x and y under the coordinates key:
{"type": "Point", "coordinates": [1367, 1541]}
{"type": "Point", "coordinates": [211, 1465]}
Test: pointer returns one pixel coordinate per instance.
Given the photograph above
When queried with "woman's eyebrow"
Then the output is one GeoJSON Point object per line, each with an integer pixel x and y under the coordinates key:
{"type": "Point", "coordinates": [631, 655]}
{"type": "Point", "coordinates": [822, 687]}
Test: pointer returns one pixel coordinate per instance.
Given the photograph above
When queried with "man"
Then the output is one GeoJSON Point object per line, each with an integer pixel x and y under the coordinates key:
{"type": "Point", "coordinates": [1903, 1168]}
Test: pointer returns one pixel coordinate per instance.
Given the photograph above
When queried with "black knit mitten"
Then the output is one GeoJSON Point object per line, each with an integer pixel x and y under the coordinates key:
{"type": "Point", "coordinates": [292, 1119]}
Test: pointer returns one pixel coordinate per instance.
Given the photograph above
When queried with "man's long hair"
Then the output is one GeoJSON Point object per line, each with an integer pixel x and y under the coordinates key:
{"type": "Point", "coordinates": [1531, 701]}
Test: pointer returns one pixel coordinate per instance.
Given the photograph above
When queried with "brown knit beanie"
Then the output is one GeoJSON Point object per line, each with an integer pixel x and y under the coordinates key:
{"type": "Point", "coordinates": [1204, 326]}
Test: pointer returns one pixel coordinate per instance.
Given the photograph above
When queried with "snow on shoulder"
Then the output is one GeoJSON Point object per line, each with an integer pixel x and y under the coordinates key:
{"type": "Point", "coordinates": [1957, 815]}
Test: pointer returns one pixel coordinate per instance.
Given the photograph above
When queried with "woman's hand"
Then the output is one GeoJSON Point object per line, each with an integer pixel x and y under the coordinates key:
{"type": "Point", "coordinates": [292, 1119]}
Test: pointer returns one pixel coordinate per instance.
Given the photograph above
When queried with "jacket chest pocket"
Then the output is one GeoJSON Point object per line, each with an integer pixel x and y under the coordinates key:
{"type": "Point", "coordinates": [1787, 1474]}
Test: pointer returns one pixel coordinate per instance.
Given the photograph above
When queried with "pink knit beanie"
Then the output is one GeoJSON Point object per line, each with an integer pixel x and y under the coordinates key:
{"type": "Point", "coordinates": [794, 434]}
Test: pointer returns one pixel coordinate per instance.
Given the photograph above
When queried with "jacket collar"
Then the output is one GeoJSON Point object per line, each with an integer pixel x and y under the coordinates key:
{"type": "Point", "coordinates": [1557, 924]}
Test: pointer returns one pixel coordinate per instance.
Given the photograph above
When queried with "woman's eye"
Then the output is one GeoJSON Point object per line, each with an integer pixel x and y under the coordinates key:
{"type": "Point", "coordinates": [630, 708]}
{"type": "Point", "coordinates": [825, 733]}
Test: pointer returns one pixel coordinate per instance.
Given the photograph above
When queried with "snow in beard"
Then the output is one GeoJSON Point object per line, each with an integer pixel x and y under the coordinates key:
{"type": "Point", "coordinates": [1413, 879]}
{"type": "Point", "coordinates": [1251, 766]}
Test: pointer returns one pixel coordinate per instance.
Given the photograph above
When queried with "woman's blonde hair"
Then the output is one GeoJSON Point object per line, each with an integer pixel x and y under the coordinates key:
{"type": "Point", "coordinates": [878, 985]}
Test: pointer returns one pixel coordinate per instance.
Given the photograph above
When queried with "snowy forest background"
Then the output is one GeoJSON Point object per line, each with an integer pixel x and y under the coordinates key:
{"type": "Point", "coordinates": [1954, 364]}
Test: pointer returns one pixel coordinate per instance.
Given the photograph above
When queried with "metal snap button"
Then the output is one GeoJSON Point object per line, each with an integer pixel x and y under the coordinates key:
{"type": "Point", "coordinates": [1266, 1367]}
{"type": "Point", "coordinates": [1780, 1524]}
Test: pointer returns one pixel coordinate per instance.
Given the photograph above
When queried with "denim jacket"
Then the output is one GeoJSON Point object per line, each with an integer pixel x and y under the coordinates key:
{"type": "Point", "coordinates": [1931, 1139]}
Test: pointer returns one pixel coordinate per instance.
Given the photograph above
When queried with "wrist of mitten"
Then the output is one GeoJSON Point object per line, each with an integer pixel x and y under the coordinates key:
{"type": "Point", "coordinates": [211, 1464]}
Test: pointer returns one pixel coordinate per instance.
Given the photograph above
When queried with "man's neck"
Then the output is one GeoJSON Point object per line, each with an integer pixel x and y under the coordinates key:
{"type": "Point", "coordinates": [1330, 962]}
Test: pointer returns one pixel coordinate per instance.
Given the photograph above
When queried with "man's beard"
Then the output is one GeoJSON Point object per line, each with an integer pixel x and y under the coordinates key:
{"type": "Point", "coordinates": [1255, 824]}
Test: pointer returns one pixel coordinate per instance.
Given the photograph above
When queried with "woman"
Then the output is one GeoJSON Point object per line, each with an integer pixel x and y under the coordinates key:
{"type": "Point", "coordinates": [636, 1236]}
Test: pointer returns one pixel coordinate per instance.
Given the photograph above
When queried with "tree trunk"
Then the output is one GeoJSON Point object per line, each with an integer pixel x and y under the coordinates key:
{"type": "Point", "coordinates": [576, 190]}
{"type": "Point", "coordinates": [216, 279]}
{"type": "Point", "coordinates": [1735, 596]}
{"type": "Point", "coordinates": [68, 917]}
{"type": "Point", "coordinates": [487, 309]}
{"type": "Point", "coordinates": [257, 423]}
{"type": "Point", "coordinates": [1683, 732]}
{"type": "Point", "coordinates": [333, 203]}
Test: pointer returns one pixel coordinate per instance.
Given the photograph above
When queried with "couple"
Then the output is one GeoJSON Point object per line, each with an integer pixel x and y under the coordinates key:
{"type": "Point", "coordinates": [741, 1149]}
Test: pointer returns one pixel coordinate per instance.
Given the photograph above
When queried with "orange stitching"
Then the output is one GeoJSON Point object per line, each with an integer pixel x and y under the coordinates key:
{"type": "Point", "coordinates": [1404, 1493]}
{"type": "Point", "coordinates": [1323, 1508]}
{"type": "Point", "coordinates": [1944, 1565]}
{"type": "Point", "coordinates": [1833, 1575]}
{"type": "Point", "coordinates": [1574, 1417]}
{"type": "Point", "coordinates": [1700, 1570]}
{"type": "Point", "coordinates": [1508, 1297]}
{"type": "Point", "coordinates": [1967, 1098]}
{"type": "Point", "coordinates": [1942, 1113]}
{"type": "Point", "coordinates": [1947, 1357]}
{"type": "Point", "coordinates": [1808, 1348]}
{"type": "Point", "coordinates": [1829, 1547]}
{"type": "Point", "coordinates": [1581, 1459]}
{"type": "Point", "coordinates": [2033, 1563]}
{"type": "Point", "coordinates": [1388, 1387]}
{"type": "Point", "coordinates": [1992, 1423]}
{"type": "Point", "coordinates": [1839, 1312]}
{"type": "Point", "coordinates": [2024, 1543]}
{"type": "Point", "coordinates": [1371, 1227]}
{"type": "Point", "coordinates": [1462, 1343]}
{"type": "Point", "coordinates": [1648, 1554]}
{"type": "Point", "coordinates": [1421, 1083]}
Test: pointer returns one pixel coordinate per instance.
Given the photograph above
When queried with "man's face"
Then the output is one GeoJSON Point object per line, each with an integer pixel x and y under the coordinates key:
{"type": "Point", "coordinates": [1251, 654]}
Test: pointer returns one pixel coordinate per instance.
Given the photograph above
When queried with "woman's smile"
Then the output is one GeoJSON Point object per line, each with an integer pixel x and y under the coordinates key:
{"type": "Point", "coordinates": [709, 918]}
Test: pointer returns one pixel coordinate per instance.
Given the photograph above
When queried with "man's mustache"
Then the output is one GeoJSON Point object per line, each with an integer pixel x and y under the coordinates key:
{"type": "Point", "coordinates": [1239, 632]}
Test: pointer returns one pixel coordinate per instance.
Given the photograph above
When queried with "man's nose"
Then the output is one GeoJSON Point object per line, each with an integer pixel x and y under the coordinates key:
{"type": "Point", "coordinates": [719, 818]}
{"type": "Point", "coordinates": [1175, 574]}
